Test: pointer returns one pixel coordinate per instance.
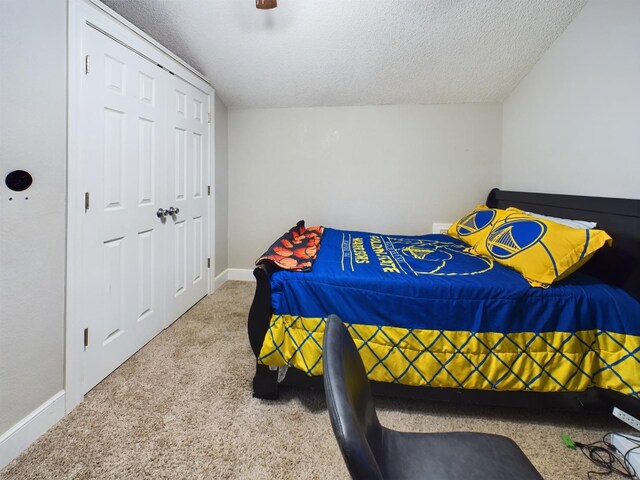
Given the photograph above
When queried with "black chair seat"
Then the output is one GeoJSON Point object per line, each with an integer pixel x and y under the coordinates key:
{"type": "Point", "coordinates": [372, 451]}
{"type": "Point", "coordinates": [444, 456]}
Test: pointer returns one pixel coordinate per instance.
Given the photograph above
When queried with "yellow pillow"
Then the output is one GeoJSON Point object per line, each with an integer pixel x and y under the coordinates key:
{"type": "Point", "coordinates": [475, 226]}
{"type": "Point", "coordinates": [543, 251]}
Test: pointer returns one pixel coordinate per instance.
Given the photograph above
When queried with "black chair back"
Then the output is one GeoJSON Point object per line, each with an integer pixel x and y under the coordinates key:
{"type": "Point", "coordinates": [350, 403]}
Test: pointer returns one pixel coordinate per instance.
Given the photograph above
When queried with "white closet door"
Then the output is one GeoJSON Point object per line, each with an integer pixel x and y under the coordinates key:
{"type": "Point", "coordinates": [123, 124]}
{"type": "Point", "coordinates": [188, 171]}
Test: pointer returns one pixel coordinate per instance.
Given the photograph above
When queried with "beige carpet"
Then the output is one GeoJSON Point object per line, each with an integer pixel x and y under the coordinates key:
{"type": "Point", "coordinates": [182, 408]}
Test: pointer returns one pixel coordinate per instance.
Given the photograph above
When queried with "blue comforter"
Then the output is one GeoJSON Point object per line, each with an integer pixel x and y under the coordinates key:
{"type": "Point", "coordinates": [430, 282]}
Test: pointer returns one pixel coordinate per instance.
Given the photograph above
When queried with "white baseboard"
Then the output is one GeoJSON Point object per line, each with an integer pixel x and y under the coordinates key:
{"type": "Point", "coordinates": [242, 274]}
{"type": "Point", "coordinates": [15, 440]}
{"type": "Point", "coordinates": [220, 280]}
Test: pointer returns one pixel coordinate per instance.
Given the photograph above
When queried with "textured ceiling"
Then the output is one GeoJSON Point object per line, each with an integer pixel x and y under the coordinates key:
{"type": "Point", "coordinates": [356, 52]}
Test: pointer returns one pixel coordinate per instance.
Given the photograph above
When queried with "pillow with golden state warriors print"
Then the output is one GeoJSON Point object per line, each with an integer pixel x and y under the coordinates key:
{"type": "Point", "coordinates": [543, 251]}
{"type": "Point", "coordinates": [476, 225]}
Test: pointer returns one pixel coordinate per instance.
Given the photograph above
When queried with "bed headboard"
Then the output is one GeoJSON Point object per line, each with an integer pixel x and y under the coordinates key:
{"type": "Point", "coordinates": [619, 217]}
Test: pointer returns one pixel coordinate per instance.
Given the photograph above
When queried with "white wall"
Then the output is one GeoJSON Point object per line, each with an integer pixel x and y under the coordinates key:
{"type": "Point", "coordinates": [221, 187]}
{"type": "Point", "coordinates": [573, 124]}
{"type": "Point", "coordinates": [32, 232]}
{"type": "Point", "coordinates": [392, 169]}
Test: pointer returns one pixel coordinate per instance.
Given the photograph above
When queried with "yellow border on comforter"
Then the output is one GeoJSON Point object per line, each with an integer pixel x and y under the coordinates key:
{"type": "Point", "coordinates": [544, 362]}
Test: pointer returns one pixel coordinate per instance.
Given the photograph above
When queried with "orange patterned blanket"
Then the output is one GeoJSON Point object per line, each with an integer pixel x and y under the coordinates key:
{"type": "Point", "coordinates": [297, 249]}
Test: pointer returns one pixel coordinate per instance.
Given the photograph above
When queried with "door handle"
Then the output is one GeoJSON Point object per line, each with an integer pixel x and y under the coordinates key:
{"type": "Point", "coordinates": [172, 211]}
{"type": "Point", "coordinates": [161, 213]}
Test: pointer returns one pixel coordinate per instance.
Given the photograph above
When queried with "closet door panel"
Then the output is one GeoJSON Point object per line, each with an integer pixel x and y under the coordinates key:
{"type": "Point", "coordinates": [188, 170]}
{"type": "Point", "coordinates": [123, 172]}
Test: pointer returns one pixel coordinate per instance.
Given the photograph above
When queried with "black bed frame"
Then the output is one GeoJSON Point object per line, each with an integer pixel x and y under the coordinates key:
{"type": "Point", "coordinates": [618, 265]}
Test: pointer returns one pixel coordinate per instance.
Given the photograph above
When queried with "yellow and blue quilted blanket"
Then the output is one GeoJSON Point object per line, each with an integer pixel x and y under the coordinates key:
{"type": "Point", "coordinates": [424, 311]}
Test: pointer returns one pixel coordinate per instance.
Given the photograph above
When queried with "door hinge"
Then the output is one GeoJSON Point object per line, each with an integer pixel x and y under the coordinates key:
{"type": "Point", "coordinates": [209, 262]}
{"type": "Point", "coordinates": [86, 202]}
{"type": "Point", "coordinates": [209, 116]}
{"type": "Point", "coordinates": [86, 338]}
{"type": "Point", "coordinates": [87, 64]}
{"type": "Point", "coordinates": [209, 190]}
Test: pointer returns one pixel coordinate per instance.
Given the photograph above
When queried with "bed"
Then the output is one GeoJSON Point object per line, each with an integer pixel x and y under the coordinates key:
{"type": "Point", "coordinates": [541, 359]}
